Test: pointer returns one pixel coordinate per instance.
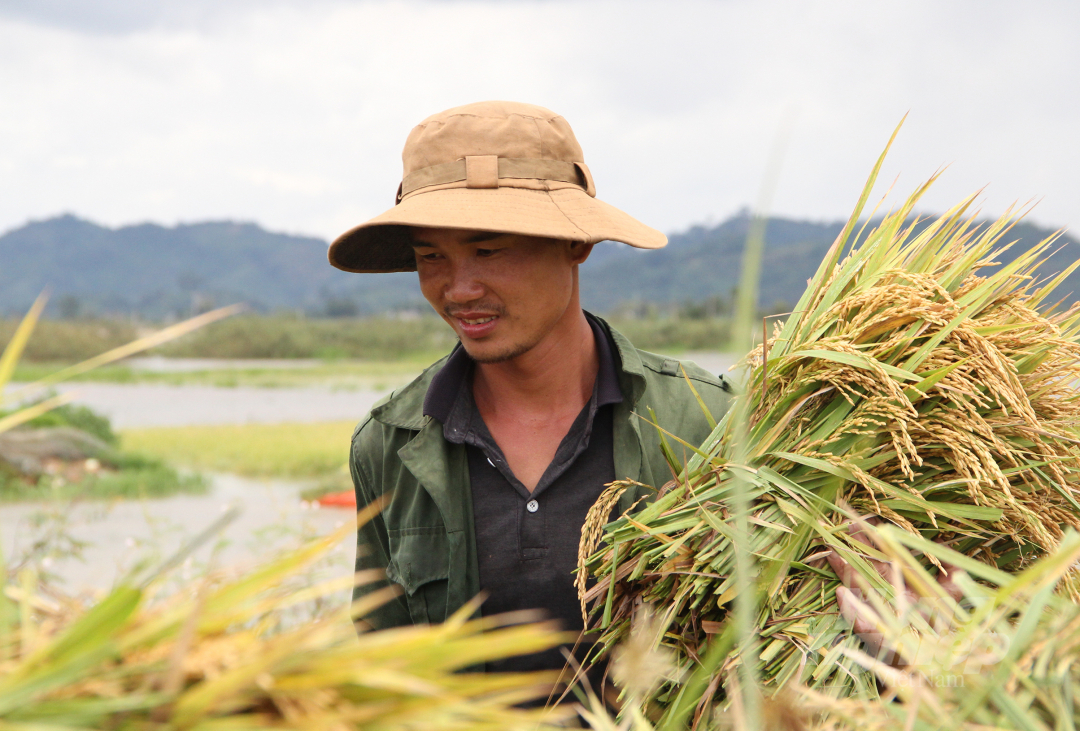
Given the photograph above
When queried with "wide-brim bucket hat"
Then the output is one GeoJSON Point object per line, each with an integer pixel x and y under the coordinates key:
{"type": "Point", "coordinates": [491, 166]}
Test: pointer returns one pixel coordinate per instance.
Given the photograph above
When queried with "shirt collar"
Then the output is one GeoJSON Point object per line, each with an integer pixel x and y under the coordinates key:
{"type": "Point", "coordinates": [447, 384]}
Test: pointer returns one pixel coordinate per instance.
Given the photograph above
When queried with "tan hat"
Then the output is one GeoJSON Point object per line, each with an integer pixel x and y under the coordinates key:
{"type": "Point", "coordinates": [490, 166]}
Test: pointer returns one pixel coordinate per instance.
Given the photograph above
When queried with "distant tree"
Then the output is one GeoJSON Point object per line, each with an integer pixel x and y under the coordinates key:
{"type": "Point", "coordinates": [69, 307]}
{"type": "Point", "coordinates": [779, 307]}
{"type": "Point", "coordinates": [706, 309]}
{"type": "Point", "coordinates": [340, 307]}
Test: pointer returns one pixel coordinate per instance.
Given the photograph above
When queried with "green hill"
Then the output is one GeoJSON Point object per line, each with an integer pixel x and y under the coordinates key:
{"type": "Point", "coordinates": [704, 263]}
{"type": "Point", "coordinates": [154, 271]}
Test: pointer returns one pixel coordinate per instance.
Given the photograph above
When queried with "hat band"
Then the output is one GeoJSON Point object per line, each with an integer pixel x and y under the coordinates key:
{"type": "Point", "coordinates": [485, 171]}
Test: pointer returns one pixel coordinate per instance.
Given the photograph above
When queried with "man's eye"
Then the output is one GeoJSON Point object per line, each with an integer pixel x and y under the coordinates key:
{"type": "Point", "coordinates": [485, 252]}
{"type": "Point", "coordinates": [430, 257]}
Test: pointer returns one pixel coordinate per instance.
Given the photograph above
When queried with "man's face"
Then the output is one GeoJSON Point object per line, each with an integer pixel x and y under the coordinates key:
{"type": "Point", "coordinates": [502, 293]}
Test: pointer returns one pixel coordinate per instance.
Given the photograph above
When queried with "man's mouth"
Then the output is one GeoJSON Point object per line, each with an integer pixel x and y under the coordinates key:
{"type": "Point", "coordinates": [476, 325]}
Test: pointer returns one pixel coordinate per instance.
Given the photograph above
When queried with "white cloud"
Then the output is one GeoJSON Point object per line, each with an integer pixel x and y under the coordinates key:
{"type": "Point", "coordinates": [293, 114]}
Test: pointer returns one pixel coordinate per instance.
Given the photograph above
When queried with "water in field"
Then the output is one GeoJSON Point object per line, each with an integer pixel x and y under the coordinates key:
{"type": "Point", "coordinates": [161, 364]}
{"type": "Point", "coordinates": [132, 406]}
{"type": "Point", "coordinates": [90, 545]}
{"type": "Point", "coordinates": [716, 363]}
{"type": "Point", "coordinates": [137, 405]}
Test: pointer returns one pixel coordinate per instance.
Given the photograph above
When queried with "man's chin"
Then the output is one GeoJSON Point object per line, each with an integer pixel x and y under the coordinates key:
{"type": "Point", "coordinates": [494, 352]}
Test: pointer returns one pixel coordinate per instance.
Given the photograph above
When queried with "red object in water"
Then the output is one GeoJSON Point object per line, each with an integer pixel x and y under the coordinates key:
{"type": "Point", "coordinates": [346, 499]}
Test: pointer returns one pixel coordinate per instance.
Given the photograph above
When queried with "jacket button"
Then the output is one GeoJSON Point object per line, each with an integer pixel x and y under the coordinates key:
{"type": "Point", "coordinates": [532, 506]}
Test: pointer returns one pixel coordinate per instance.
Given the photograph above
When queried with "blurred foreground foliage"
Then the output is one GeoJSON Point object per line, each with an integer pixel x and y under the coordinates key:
{"type": "Point", "coordinates": [52, 449]}
{"type": "Point", "coordinates": [234, 651]}
{"type": "Point", "coordinates": [1006, 655]}
{"type": "Point", "coordinates": [229, 652]}
{"type": "Point", "coordinates": [70, 340]}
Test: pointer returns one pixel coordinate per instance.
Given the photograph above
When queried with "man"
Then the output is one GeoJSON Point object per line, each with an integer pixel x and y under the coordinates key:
{"type": "Point", "coordinates": [494, 455]}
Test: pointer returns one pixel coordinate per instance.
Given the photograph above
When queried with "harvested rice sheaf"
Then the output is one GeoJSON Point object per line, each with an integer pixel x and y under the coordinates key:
{"type": "Point", "coordinates": [918, 380]}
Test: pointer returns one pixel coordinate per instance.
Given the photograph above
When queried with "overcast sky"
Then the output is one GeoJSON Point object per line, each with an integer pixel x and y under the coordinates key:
{"type": "Point", "coordinates": [292, 113]}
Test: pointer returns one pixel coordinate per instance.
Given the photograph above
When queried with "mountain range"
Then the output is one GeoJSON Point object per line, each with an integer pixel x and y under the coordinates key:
{"type": "Point", "coordinates": [158, 272]}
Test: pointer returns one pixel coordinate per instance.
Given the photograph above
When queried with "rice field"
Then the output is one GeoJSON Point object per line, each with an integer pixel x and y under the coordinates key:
{"type": "Point", "coordinates": [253, 450]}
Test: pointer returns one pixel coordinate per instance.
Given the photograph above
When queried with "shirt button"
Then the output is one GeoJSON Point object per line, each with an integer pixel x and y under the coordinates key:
{"type": "Point", "coordinates": [532, 506]}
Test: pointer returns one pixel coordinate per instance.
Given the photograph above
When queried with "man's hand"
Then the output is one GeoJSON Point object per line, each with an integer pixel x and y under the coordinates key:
{"type": "Point", "coordinates": [856, 610]}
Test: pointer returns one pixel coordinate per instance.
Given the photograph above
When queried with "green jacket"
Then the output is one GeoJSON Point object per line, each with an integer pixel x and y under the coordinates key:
{"type": "Point", "coordinates": [424, 538]}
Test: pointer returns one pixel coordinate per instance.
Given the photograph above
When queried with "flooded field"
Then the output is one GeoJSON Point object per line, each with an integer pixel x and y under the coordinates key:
{"type": "Point", "coordinates": [152, 404]}
{"type": "Point", "coordinates": [141, 405]}
{"type": "Point", "coordinates": [90, 545]}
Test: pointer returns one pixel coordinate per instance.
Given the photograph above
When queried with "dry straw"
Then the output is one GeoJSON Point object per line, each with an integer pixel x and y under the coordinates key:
{"type": "Point", "coordinates": [914, 381]}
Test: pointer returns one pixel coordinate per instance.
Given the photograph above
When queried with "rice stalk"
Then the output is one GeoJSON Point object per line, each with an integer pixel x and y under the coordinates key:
{"type": "Point", "coordinates": [18, 342]}
{"type": "Point", "coordinates": [222, 654]}
{"type": "Point", "coordinates": [913, 382]}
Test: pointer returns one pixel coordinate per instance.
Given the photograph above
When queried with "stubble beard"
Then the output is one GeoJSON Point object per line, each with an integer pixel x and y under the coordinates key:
{"type": "Point", "coordinates": [508, 352]}
{"type": "Point", "coordinates": [512, 351]}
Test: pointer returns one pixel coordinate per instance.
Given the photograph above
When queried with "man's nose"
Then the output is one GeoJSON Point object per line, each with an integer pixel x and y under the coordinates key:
{"type": "Point", "coordinates": [464, 285]}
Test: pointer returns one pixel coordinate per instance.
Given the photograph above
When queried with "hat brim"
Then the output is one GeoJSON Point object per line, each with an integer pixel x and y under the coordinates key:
{"type": "Point", "coordinates": [383, 244]}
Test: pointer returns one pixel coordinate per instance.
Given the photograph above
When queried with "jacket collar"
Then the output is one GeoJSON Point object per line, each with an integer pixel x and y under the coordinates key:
{"type": "Point", "coordinates": [631, 370]}
{"type": "Point", "coordinates": [405, 407]}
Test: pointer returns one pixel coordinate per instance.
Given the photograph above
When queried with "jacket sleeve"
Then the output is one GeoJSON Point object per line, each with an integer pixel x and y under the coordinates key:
{"type": "Point", "coordinates": [372, 540]}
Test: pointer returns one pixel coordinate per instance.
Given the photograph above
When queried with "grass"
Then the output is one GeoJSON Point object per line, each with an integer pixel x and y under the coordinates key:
{"type": "Point", "coordinates": [121, 474]}
{"type": "Point", "coordinates": [363, 368]}
{"type": "Point", "coordinates": [377, 375]}
{"type": "Point", "coordinates": [80, 417]}
{"type": "Point", "coordinates": [287, 336]}
{"type": "Point", "coordinates": [137, 477]}
{"type": "Point", "coordinates": [676, 335]}
{"type": "Point", "coordinates": [1003, 657]}
{"type": "Point", "coordinates": [317, 450]}
{"type": "Point", "coordinates": [71, 340]}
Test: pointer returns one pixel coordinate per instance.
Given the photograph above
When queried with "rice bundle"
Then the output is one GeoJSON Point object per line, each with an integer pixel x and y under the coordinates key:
{"type": "Point", "coordinates": [1007, 656]}
{"type": "Point", "coordinates": [912, 382]}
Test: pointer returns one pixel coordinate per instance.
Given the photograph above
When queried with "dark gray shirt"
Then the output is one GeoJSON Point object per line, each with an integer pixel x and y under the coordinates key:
{"type": "Point", "coordinates": [527, 543]}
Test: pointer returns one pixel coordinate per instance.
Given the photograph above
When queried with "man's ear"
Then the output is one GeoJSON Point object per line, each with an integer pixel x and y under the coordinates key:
{"type": "Point", "coordinates": [579, 252]}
